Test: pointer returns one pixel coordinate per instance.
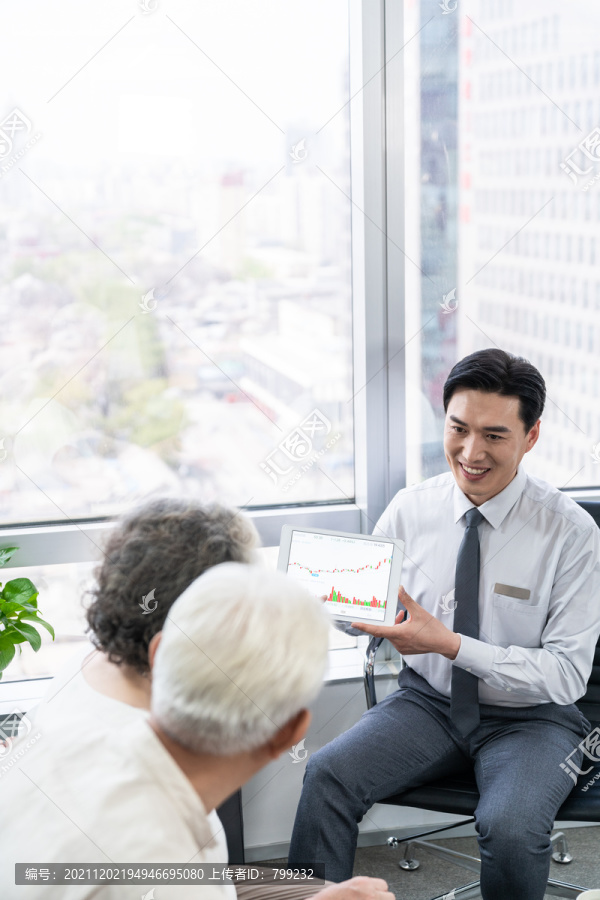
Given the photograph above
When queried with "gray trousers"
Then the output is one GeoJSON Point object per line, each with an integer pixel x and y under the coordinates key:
{"type": "Point", "coordinates": [408, 740]}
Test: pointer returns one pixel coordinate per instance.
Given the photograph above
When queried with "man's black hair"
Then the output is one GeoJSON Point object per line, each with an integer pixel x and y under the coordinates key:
{"type": "Point", "coordinates": [498, 372]}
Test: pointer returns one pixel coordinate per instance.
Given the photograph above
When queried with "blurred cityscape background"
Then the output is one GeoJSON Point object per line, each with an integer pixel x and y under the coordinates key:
{"type": "Point", "coordinates": [177, 298]}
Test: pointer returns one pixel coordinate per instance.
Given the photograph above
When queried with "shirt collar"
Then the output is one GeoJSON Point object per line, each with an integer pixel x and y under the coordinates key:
{"type": "Point", "coordinates": [497, 508]}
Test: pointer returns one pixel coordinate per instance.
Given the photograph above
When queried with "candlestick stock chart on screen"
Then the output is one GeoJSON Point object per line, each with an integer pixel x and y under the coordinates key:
{"type": "Point", "coordinates": [352, 572]}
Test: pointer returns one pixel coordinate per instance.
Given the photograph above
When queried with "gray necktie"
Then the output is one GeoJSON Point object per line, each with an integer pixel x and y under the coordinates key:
{"type": "Point", "coordinates": [464, 700]}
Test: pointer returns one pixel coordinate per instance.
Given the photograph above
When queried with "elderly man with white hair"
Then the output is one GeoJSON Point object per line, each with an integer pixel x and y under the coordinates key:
{"type": "Point", "coordinates": [240, 659]}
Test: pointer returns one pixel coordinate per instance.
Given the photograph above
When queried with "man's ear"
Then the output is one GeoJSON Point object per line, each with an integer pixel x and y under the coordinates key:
{"type": "Point", "coordinates": [533, 436]}
{"type": "Point", "coordinates": [292, 732]}
{"type": "Point", "coordinates": [152, 648]}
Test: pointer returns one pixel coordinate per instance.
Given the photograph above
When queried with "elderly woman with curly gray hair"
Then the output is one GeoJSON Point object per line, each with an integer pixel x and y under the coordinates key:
{"type": "Point", "coordinates": [150, 557]}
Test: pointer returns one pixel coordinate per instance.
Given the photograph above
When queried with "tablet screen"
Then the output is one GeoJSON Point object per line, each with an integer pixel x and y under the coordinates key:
{"type": "Point", "coordinates": [352, 572]}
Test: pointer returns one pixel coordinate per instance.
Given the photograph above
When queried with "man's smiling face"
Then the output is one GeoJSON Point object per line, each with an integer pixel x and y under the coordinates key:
{"type": "Point", "coordinates": [484, 442]}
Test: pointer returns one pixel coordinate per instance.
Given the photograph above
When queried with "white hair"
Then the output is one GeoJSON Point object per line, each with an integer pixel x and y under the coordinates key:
{"type": "Point", "coordinates": [242, 651]}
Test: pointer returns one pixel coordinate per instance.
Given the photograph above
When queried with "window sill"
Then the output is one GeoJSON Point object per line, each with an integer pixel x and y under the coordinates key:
{"type": "Point", "coordinates": [21, 695]}
{"type": "Point", "coordinates": [342, 666]}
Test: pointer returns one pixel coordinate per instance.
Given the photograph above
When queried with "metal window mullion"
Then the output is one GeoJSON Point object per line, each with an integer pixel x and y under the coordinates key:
{"type": "Point", "coordinates": [368, 155]}
{"type": "Point", "coordinates": [396, 260]}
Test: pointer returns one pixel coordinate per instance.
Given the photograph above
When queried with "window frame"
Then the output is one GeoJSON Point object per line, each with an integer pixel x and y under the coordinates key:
{"type": "Point", "coordinates": [378, 304]}
{"type": "Point", "coordinates": [376, 336]}
{"type": "Point", "coordinates": [376, 36]}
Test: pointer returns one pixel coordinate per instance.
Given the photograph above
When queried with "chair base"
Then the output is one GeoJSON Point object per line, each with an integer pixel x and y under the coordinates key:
{"type": "Point", "coordinates": [561, 853]}
{"type": "Point", "coordinates": [470, 891]}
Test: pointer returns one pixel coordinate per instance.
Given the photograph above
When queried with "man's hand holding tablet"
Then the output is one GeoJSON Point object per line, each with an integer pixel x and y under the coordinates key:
{"type": "Point", "coordinates": [420, 632]}
{"type": "Point", "coordinates": [356, 575]}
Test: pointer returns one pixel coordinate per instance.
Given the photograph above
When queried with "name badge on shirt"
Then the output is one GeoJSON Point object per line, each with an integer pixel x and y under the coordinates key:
{"type": "Point", "coordinates": [509, 591]}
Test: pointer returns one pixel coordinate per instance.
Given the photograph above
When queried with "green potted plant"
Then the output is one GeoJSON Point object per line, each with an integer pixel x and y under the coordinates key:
{"type": "Point", "coordinates": [18, 615]}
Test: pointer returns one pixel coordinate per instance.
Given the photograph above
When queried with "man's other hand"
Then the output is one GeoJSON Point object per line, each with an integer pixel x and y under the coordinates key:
{"type": "Point", "coordinates": [419, 633]}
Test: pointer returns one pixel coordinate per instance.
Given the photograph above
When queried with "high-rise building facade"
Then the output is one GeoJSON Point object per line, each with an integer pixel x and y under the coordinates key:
{"type": "Point", "coordinates": [529, 210]}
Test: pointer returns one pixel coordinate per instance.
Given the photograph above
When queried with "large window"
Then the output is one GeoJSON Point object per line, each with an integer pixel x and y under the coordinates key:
{"type": "Point", "coordinates": [243, 244]}
{"type": "Point", "coordinates": [175, 260]}
{"type": "Point", "coordinates": [176, 271]}
{"type": "Point", "coordinates": [503, 206]}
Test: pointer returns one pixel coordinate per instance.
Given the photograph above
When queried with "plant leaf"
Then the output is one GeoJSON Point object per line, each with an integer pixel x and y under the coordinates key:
{"type": "Point", "coordinates": [6, 553]}
{"type": "Point", "coordinates": [11, 608]}
{"type": "Point", "coordinates": [8, 637]}
{"type": "Point", "coordinates": [20, 590]}
{"type": "Point", "coordinates": [6, 657]}
{"type": "Point", "coordinates": [15, 638]}
{"type": "Point", "coordinates": [35, 618]}
{"type": "Point", "coordinates": [30, 633]}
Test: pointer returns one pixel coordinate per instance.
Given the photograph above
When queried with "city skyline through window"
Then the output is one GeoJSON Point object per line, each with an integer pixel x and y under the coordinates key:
{"type": "Point", "coordinates": [175, 257]}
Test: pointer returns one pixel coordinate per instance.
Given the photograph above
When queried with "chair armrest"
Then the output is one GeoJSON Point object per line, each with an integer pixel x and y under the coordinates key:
{"type": "Point", "coordinates": [369, 670]}
{"type": "Point", "coordinates": [369, 667]}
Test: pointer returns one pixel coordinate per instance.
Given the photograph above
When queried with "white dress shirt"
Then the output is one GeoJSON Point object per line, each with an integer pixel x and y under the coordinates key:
{"type": "Point", "coordinates": [100, 787]}
{"type": "Point", "coordinates": [539, 586]}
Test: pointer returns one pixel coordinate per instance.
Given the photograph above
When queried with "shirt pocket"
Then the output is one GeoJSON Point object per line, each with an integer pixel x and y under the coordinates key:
{"type": "Point", "coordinates": [517, 621]}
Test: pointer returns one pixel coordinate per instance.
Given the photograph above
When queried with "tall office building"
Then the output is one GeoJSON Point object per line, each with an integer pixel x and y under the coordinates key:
{"type": "Point", "coordinates": [529, 210]}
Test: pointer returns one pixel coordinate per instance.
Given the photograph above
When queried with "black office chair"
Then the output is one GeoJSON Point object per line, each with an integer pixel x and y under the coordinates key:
{"type": "Point", "coordinates": [232, 819]}
{"type": "Point", "coordinates": [459, 796]}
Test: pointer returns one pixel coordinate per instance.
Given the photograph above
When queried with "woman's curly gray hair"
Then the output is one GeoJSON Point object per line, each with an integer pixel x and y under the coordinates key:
{"type": "Point", "coordinates": [159, 547]}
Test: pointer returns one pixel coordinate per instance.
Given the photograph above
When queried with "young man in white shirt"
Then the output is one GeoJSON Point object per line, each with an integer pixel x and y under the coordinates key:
{"type": "Point", "coordinates": [529, 659]}
{"type": "Point", "coordinates": [228, 697]}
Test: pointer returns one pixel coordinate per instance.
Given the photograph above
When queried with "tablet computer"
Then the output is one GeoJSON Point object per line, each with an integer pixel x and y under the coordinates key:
{"type": "Point", "coordinates": [358, 573]}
